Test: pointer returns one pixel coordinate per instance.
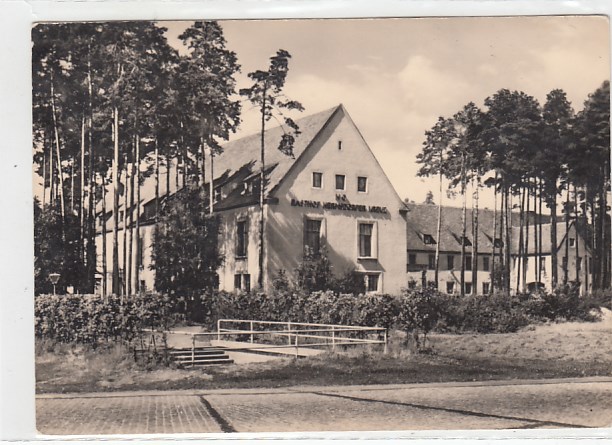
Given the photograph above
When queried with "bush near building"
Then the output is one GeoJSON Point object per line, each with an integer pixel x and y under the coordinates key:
{"type": "Point", "coordinates": [91, 320]}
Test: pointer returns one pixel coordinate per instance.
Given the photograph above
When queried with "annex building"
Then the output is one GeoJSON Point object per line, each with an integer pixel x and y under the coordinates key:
{"type": "Point", "coordinates": [422, 242]}
{"type": "Point", "coordinates": [332, 196]}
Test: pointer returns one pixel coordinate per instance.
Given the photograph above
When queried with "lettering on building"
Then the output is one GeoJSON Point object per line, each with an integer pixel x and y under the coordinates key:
{"type": "Point", "coordinates": [338, 206]}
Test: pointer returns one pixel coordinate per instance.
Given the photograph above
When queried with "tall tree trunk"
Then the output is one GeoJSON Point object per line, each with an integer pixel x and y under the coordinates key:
{"type": "Point", "coordinates": [168, 164]}
{"type": "Point", "coordinates": [526, 258]}
{"type": "Point", "coordinates": [463, 224]}
{"type": "Point", "coordinates": [44, 169]}
{"type": "Point", "coordinates": [521, 247]}
{"type": "Point", "coordinates": [51, 176]}
{"type": "Point", "coordinates": [126, 187]}
{"type": "Point", "coordinates": [577, 248]}
{"type": "Point", "coordinates": [567, 214]}
{"type": "Point", "coordinates": [212, 186]}
{"type": "Point", "coordinates": [540, 240]}
{"type": "Point", "coordinates": [493, 248]}
{"type": "Point", "coordinates": [507, 235]}
{"type": "Point", "coordinates": [475, 238]}
{"type": "Point", "coordinates": [104, 252]}
{"type": "Point", "coordinates": [137, 208]}
{"type": "Point", "coordinates": [553, 242]}
{"type": "Point", "coordinates": [262, 188]}
{"type": "Point", "coordinates": [130, 226]}
{"type": "Point", "coordinates": [91, 183]}
{"type": "Point", "coordinates": [156, 182]}
{"type": "Point", "coordinates": [116, 285]}
{"type": "Point", "coordinates": [72, 186]}
{"type": "Point", "coordinates": [57, 148]}
{"type": "Point", "coordinates": [82, 194]}
{"type": "Point", "coordinates": [439, 228]}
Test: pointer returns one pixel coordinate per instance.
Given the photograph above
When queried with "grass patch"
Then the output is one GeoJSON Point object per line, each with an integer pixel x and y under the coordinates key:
{"type": "Point", "coordinates": [545, 351]}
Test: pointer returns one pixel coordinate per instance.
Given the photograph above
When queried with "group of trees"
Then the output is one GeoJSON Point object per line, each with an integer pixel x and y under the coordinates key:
{"type": "Point", "coordinates": [531, 155]}
{"type": "Point", "coordinates": [114, 103]}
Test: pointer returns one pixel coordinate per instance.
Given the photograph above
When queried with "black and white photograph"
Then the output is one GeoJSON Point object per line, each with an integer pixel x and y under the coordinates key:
{"type": "Point", "coordinates": [321, 225]}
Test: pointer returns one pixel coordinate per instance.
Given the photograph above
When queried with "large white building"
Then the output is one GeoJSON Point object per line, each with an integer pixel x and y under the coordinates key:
{"type": "Point", "coordinates": [332, 195]}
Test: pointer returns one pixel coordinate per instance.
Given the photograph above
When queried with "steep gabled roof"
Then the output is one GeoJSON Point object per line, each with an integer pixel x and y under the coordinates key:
{"type": "Point", "coordinates": [423, 218]}
{"type": "Point", "coordinates": [240, 162]}
{"type": "Point", "coordinates": [247, 150]}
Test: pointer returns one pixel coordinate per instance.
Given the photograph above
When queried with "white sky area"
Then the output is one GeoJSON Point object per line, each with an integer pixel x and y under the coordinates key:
{"type": "Point", "coordinates": [396, 76]}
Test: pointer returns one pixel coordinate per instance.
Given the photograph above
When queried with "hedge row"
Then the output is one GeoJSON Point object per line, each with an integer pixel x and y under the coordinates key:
{"type": "Point", "coordinates": [93, 320]}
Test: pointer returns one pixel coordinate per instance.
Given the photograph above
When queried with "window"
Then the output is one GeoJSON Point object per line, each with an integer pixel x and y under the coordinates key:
{"type": "Point", "coordinates": [485, 288]}
{"type": "Point", "coordinates": [428, 239]}
{"type": "Point", "coordinates": [450, 287]}
{"type": "Point", "coordinates": [340, 182]}
{"type": "Point", "coordinates": [365, 239]}
{"type": "Point", "coordinates": [431, 262]}
{"type": "Point", "coordinates": [498, 243]}
{"type": "Point", "coordinates": [371, 282]}
{"type": "Point", "coordinates": [312, 237]}
{"type": "Point", "coordinates": [242, 282]}
{"type": "Point", "coordinates": [468, 262]}
{"type": "Point", "coordinates": [451, 262]}
{"type": "Point", "coordinates": [466, 241]}
{"type": "Point", "coordinates": [468, 288]}
{"type": "Point", "coordinates": [362, 184]}
{"type": "Point", "coordinates": [485, 264]}
{"type": "Point", "coordinates": [412, 259]}
{"type": "Point", "coordinates": [242, 237]}
{"type": "Point", "coordinates": [317, 180]}
{"type": "Point", "coordinates": [339, 145]}
{"type": "Point", "coordinates": [572, 242]}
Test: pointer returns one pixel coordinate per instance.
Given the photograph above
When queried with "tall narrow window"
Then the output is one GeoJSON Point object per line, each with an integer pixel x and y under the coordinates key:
{"type": "Point", "coordinates": [572, 242]}
{"type": "Point", "coordinates": [241, 239]}
{"type": "Point", "coordinates": [485, 264]}
{"type": "Point", "coordinates": [365, 239]}
{"type": "Point", "coordinates": [246, 282]}
{"type": "Point", "coordinates": [485, 288]}
{"type": "Point", "coordinates": [237, 281]}
{"type": "Point", "coordinates": [412, 259]}
{"type": "Point", "coordinates": [340, 179]}
{"type": "Point", "coordinates": [372, 280]}
{"type": "Point", "coordinates": [317, 180]}
{"type": "Point", "coordinates": [312, 237]}
{"type": "Point", "coordinates": [450, 262]}
{"type": "Point", "coordinates": [468, 262]}
{"type": "Point", "coordinates": [362, 184]}
{"type": "Point", "coordinates": [450, 287]}
{"type": "Point", "coordinates": [431, 265]}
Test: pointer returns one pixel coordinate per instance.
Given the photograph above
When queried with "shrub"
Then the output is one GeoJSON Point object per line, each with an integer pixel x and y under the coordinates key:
{"type": "Point", "coordinates": [419, 312]}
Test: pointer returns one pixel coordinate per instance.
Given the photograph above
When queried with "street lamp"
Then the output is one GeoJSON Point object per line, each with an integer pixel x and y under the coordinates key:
{"type": "Point", "coordinates": [54, 278]}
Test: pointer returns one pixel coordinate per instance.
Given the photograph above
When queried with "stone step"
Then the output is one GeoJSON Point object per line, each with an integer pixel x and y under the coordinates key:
{"type": "Point", "coordinates": [207, 362]}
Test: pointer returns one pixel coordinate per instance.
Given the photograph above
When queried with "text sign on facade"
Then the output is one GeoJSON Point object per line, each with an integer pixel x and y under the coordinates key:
{"type": "Point", "coordinates": [337, 206]}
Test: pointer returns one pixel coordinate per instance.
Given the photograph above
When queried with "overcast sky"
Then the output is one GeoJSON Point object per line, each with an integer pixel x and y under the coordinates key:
{"type": "Point", "coordinates": [396, 76]}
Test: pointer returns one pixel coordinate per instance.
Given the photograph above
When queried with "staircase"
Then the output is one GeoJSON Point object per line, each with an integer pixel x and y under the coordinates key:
{"type": "Point", "coordinates": [203, 356]}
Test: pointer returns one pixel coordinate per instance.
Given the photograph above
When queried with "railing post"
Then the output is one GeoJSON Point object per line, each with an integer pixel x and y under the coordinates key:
{"type": "Point", "coordinates": [192, 349]}
{"type": "Point", "coordinates": [296, 346]}
{"type": "Point", "coordinates": [251, 329]}
{"type": "Point", "coordinates": [333, 338]}
{"type": "Point", "coordinates": [288, 333]}
{"type": "Point", "coordinates": [385, 348]}
{"type": "Point", "coordinates": [219, 330]}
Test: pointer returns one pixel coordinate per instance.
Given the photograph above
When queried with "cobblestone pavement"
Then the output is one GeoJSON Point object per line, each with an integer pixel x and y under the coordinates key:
{"type": "Point", "coordinates": [497, 405]}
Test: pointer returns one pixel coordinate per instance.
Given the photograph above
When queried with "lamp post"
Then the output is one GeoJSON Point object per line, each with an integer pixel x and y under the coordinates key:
{"type": "Point", "coordinates": [54, 278]}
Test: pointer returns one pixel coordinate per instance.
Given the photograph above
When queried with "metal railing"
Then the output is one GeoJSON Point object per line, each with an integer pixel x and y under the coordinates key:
{"type": "Point", "coordinates": [305, 335]}
{"type": "Point", "coordinates": [274, 335]}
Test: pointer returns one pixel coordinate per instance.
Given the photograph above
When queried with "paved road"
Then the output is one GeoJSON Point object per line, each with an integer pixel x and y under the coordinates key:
{"type": "Point", "coordinates": [575, 403]}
